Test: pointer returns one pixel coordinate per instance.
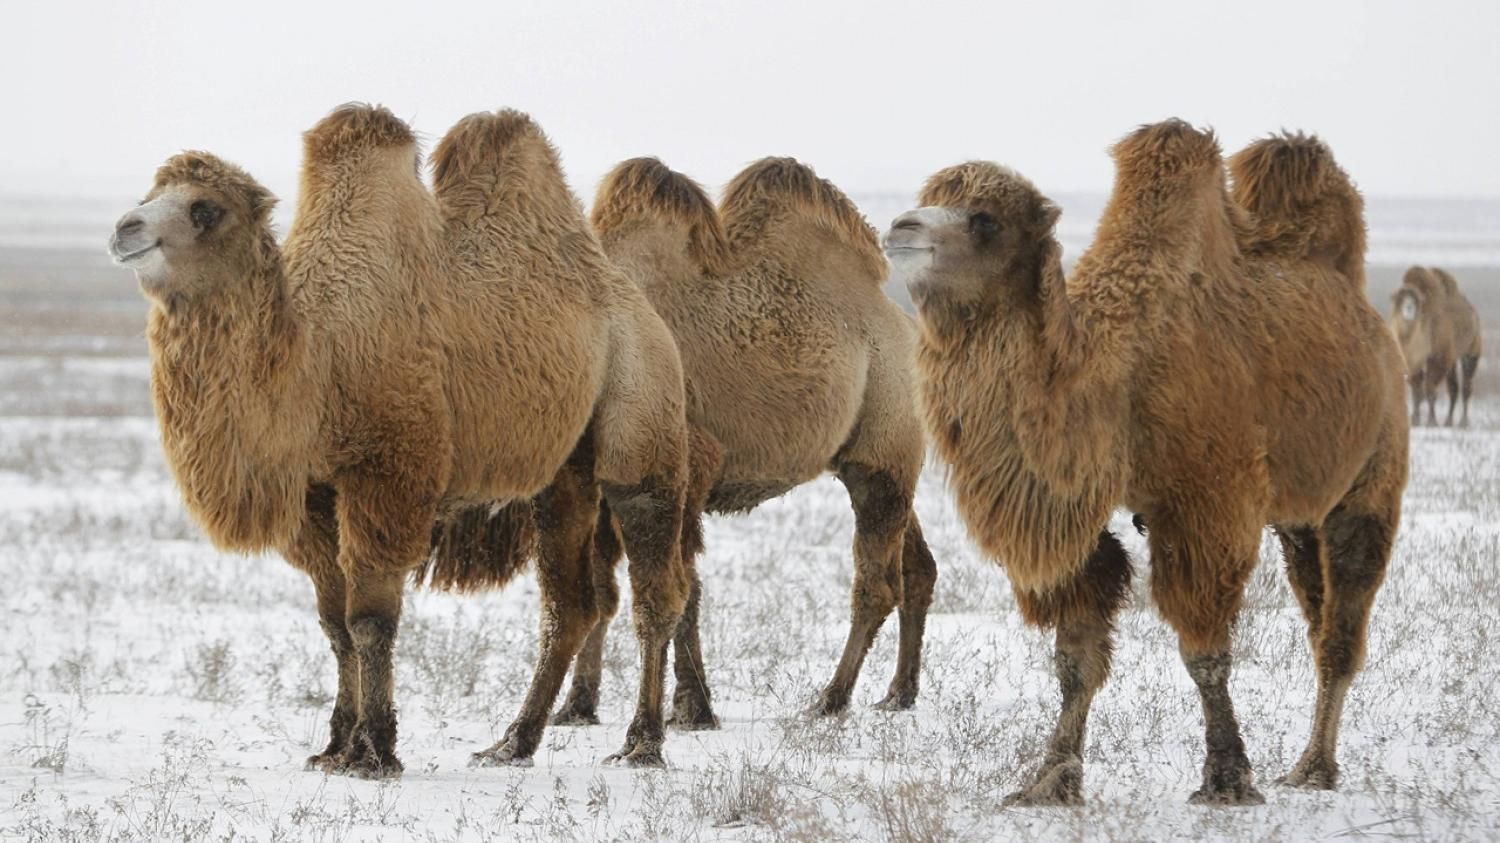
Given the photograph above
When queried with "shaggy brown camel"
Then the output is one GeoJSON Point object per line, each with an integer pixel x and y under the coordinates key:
{"type": "Point", "coordinates": [402, 359]}
{"type": "Point", "coordinates": [797, 363]}
{"type": "Point", "coordinates": [1213, 365]}
{"type": "Point", "coordinates": [1440, 338]}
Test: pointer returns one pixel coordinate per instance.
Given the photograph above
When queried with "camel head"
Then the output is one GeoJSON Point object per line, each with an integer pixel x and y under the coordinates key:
{"type": "Point", "coordinates": [1412, 307]}
{"type": "Point", "coordinates": [980, 239]}
{"type": "Point", "coordinates": [204, 221]}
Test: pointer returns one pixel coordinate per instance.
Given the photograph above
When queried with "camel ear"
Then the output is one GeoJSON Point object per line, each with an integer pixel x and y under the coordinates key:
{"type": "Point", "coordinates": [1046, 215]}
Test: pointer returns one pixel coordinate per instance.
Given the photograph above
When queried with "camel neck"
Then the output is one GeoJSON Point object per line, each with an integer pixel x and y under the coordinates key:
{"type": "Point", "coordinates": [233, 386]}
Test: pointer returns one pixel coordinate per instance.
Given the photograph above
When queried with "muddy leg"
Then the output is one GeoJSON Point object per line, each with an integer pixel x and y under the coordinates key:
{"type": "Point", "coordinates": [1197, 582]}
{"type": "Point", "coordinates": [581, 707]}
{"type": "Point", "coordinates": [1359, 546]}
{"type": "Point", "coordinates": [881, 513]}
{"type": "Point", "coordinates": [1452, 381]}
{"type": "Point", "coordinates": [650, 515]}
{"type": "Point", "coordinates": [918, 578]}
{"type": "Point", "coordinates": [692, 701]}
{"type": "Point", "coordinates": [315, 549]}
{"type": "Point", "coordinates": [1083, 611]}
{"type": "Point", "coordinates": [566, 515]}
{"type": "Point", "coordinates": [1302, 554]}
{"type": "Point", "coordinates": [1469, 364]}
{"type": "Point", "coordinates": [1416, 398]}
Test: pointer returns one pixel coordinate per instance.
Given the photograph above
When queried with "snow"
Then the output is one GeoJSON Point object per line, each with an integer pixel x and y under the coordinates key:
{"type": "Point", "coordinates": [152, 688]}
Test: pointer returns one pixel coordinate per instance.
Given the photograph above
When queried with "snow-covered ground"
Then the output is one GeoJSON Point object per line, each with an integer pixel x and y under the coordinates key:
{"type": "Point", "coordinates": [151, 688]}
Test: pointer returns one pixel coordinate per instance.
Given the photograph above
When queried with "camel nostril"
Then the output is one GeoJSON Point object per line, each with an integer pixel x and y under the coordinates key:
{"type": "Point", "coordinates": [129, 226]}
{"type": "Point", "coordinates": [906, 224]}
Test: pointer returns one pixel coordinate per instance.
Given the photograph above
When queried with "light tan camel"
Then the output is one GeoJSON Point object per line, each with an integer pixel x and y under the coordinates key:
{"type": "Point", "coordinates": [1440, 338]}
{"type": "Point", "coordinates": [403, 359]}
{"type": "Point", "coordinates": [1213, 365]}
{"type": "Point", "coordinates": [797, 363]}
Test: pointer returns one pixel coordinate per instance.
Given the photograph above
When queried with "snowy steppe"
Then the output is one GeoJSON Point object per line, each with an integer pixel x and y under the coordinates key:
{"type": "Point", "coordinates": [152, 688]}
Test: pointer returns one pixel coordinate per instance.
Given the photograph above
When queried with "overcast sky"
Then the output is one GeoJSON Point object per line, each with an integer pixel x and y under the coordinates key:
{"type": "Point", "coordinates": [875, 95]}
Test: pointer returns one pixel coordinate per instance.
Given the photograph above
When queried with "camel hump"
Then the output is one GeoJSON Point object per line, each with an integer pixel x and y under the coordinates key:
{"type": "Point", "coordinates": [486, 143]}
{"type": "Point", "coordinates": [646, 191]}
{"type": "Point", "coordinates": [773, 189]}
{"type": "Point", "coordinates": [1420, 278]}
{"type": "Point", "coordinates": [1303, 203]}
{"type": "Point", "coordinates": [208, 170]}
{"type": "Point", "coordinates": [994, 189]}
{"type": "Point", "coordinates": [1166, 152]}
{"type": "Point", "coordinates": [1448, 282]}
{"type": "Point", "coordinates": [355, 126]}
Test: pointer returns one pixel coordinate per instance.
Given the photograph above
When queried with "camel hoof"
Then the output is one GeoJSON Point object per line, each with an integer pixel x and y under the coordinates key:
{"type": "Point", "coordinates": [328, 763]}
{"type": "Point", "coordinates": [1058, 785]}
{"type": "Point", "coordinates": [502, 754]}
{"type": "Point", "coordinates": [640, 757]}
{"type": "Point", "coordinates": [828, 705]}
{"type": "Point", "coordinates": [574, 717]}
{"type": "Point", "coordinates": [367, 766]}
{"type": "Point", "coordinates": [693, 716]}
{"type": "Point", "coordinates": [1312, 775]}
{"type": "Point", "coordinates": [897, 701]}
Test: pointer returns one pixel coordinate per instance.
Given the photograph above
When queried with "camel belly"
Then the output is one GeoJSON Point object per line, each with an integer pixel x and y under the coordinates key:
{"type": "Point", "coordinates": [517, 418]}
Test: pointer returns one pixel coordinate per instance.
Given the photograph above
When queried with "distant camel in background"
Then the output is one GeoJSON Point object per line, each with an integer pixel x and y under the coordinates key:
{"type": "Point", "coordinates": [402, 359]}
{"type": "Point", "coordinates": [1213, 365]}
{"type": "Point", "coordinates": [796, 363]}
{"type": "Point", "coordinates": [1440, 338]}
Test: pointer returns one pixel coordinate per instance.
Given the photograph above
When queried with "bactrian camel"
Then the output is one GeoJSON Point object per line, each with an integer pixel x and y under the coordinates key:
{"type": "Point", "coordinates": [797, 363]}
{"type": "Point", "coordinates": [1439, 334]}
{"type": "Point", "coordinates": [1212, 365]}
{"type": "Point", "coordinates": [409, 356]}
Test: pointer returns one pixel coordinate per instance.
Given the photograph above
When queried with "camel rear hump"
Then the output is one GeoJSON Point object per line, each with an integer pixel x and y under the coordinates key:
{"type": "Point", "coordinates": [647, 194]}
{"type": "Point", "coordinates": [773, 191]}
{"type": "Point", "coordinates": [489, 157]}
{"type": "Point", "coordinates": [1304, 206]}
{"type": "Point", "coordinates": [352, 128]}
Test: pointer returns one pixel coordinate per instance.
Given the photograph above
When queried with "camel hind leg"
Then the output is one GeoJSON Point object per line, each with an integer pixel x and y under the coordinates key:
{"type": "Point", "coordinates": [566, 513]}
{"type": "Point", "coordinates": [581, 707]}
{"type": "Point", "coordinates": [1358, 543]}
{"type": "Point", "coordinates": [918, 579]}
{"type": "Point", "coordinates": [692, 701]}
{"type": "Point", "coordinates": [1452, 380]}
{"type": "Point", "coordinates": [1083, 611]}
{"type": "Point", "coordinates": [882, 510]}
{"type": "Point", "coordinates": [1469, 365]}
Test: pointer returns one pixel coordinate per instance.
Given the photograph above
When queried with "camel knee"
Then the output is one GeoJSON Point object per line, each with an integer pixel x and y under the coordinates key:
{"type": "Point", "coordinates": [919, 572]}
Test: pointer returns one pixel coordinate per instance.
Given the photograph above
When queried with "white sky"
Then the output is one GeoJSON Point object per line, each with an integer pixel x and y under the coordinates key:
{"type": "Point", "coordinates": [876, 95]}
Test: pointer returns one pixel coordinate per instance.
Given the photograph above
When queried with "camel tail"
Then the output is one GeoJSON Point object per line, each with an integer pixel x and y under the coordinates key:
{"type": "Point", "coordinates": [646, 192]}
{"type": "Point", "coordinates": [1305, 207]}
{"type": "Point", "coordinates": [773, 190]}
{"type": "Point", "coordinates": [480, 548]}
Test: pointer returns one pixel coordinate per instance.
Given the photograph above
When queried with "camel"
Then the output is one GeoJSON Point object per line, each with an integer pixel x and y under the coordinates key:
{"type": "Point", "coordinates": [408, 357]}
{"type": "Point", "coordinates": [796, 363]}
{"type": "Point", "coordinates": [1440, 338]}
{"type": "Point", "coordinates": [1212, 365]}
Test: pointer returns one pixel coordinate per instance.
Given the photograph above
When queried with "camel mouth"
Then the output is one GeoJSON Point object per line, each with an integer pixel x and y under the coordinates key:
{"type": "Point", "coordinates": [126, 258]}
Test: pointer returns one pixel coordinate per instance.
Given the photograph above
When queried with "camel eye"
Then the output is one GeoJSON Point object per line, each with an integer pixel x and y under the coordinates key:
{"type": "Point", "coordinates": [983, 227]}
{"type": "Point", "coordinates": [205, 214]}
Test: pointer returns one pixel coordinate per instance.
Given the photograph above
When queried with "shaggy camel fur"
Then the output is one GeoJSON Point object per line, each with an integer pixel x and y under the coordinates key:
{"type": "Point", "coordinates": [403, 359]}
{"type": "Point", "coordinates": [797, 363]}
{"type": "Point", "coordinates": [1439, 333]}
{"type": "Point", "coordinates": [1213, 365]}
